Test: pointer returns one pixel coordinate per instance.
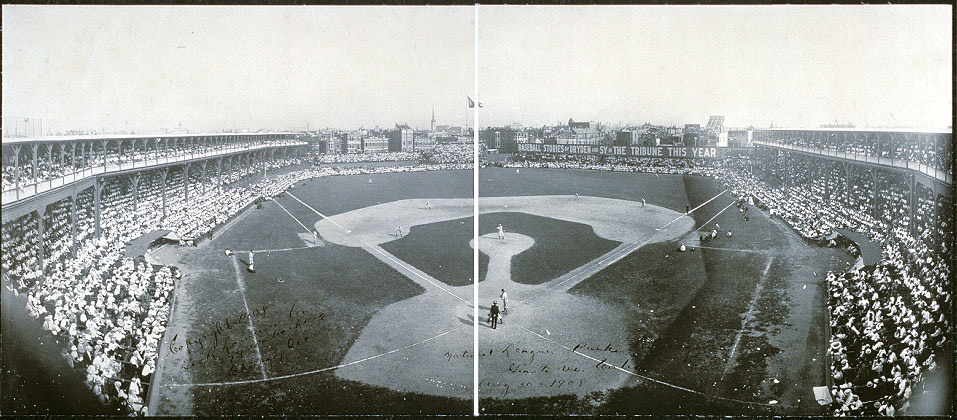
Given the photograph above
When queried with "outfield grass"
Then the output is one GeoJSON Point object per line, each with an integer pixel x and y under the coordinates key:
{"type": "Point", "coordinates": [698, 298]}
{"type": "Point", "coordinates": [442, 249]}
{"type": "Point", "coordinates": [687, 310]}
{"type": "Point", "coordinates": [306, 322]}
{"type": "Point", "coordinates": [339, 194]}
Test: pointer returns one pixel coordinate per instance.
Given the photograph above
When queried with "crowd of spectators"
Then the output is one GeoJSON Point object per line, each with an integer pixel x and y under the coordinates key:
{"type": "Point", "coordinates": [889, 321]}
{"type": "Point", "coordinates": [452, 153]}
{"type": "Point", "coordinates": [369, 157]}
{"type": "Point", "coordinates": [444, 153]}
{"type": "Point", "coordinates": [109, 311]}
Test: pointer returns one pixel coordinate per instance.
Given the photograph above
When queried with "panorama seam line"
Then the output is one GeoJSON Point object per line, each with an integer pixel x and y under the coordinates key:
{"type": "Point", "coordinates": [619, 252]}
{"type": "Point", "coordinates": [475, 215]}
{"type": "Point", "coordinates": [758, 288]}
{"type": "Point", "coordinates": [293, 375]}
{"type": "Point", "coordinates": [383, 253]}
{"type": "Point", "coordinates": [648, 378]}
{"type": "Point", "coordinates": [252, 328]}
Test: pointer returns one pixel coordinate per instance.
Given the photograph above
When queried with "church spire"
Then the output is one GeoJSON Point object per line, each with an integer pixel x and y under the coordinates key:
{"type": "Point", "coordinates": [433, 119]}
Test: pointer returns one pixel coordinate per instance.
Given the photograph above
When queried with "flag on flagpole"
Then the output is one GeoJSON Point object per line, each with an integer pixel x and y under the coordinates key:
{"type": "Point", "coordinates": [472, 103]}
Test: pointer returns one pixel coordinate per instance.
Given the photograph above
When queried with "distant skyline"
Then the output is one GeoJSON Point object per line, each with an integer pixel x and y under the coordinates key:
{"type": "Point", "coordinates": [145, 68]}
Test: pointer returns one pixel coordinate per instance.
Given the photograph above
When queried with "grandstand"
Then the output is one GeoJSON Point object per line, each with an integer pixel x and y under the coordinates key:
{"type": "Point", "coordinates": [889, 323]}
{"type": "Point", "coordinates": [70, 205]}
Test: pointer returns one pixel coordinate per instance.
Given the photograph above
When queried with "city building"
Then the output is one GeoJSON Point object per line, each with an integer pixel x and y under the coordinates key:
{"type": "Point", "coordinates": [580, 133]}
{"type": "Point", "coordinates": [422, 141]}
{"type": "Point", "coordinates": [715, 124]}
{"type": "Point", "coordinates": [506, 139]}
{"type": "Point", "coordinates": [353, 143]}
{"type": "Point", "coordinates": [401, 139]}
{"type": "Point", "coordinates": [375, 144]}
{"type": "Point", "coordinates": [739, 138]}
{"type": "Point", "coordinates": [624, 138]}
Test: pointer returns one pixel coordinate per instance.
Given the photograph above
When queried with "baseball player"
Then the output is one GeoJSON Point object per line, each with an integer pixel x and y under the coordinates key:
{"type": "Point", "coordinates": [504, 297]}
{"type": "Point", "coordinates": [493, 314]}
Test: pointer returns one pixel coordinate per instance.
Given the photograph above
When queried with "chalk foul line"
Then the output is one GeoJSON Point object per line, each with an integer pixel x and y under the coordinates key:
{"type": "Point", "coordinates": [383, 253]}
{"type": "Point", "coordinates": [747, 319]}
{"type": "Point", "coordinates": [311, 372]}
{"type": "Point", "coordinates": [293, 217]}
{"type": "Point", "coordinates": [242, 290]}
{"type": "Point", "coordinates": [619, 253]}
{"type": "Point", "coordinates": [643, 377]}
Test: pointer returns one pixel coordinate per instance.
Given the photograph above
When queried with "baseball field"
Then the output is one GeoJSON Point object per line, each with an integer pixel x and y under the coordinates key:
{"type": "Point", "coordinates": [604, 315]}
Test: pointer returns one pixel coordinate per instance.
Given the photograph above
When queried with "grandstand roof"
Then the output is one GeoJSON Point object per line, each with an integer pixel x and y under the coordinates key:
{"type": "Point", "coordinates": [863, 130]}
{"type": "Point", "coordinates": [15, 140]}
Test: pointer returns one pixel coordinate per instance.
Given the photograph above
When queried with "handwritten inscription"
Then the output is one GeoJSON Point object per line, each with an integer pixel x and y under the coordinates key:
{"type": "Point", "coordinates": [521, 370]}
{"type": "Point", "coordinates": [224, 346]}
{"type": "Point", "coordinates": [585, 346]}
{"type": "Point", "coordinates": [508, 351]}
{"type": "Point", "coordinates": [504, 387]}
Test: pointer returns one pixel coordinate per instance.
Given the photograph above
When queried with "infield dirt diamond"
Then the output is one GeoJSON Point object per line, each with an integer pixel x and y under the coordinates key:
{"type": "Point", "coordinates": [550, 342]}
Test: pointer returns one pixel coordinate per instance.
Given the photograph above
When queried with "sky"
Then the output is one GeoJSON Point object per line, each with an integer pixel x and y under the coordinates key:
{"type": "Point", "coordinates": [138, 68]}
{"type": "Point", "coordinates": [212, 68]}
{"type": "Point", "coordinates": [793, 66]}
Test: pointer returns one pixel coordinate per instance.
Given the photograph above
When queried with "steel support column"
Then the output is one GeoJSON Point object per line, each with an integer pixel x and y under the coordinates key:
{"type": "Point", "coordinates": [41, 213]}
{"type": "Point", "coordinates": [135, 181]}
{"type": "Point", "coordinates": [16, 169]}
{"type": "Point", "coordinates": [73, 224]}
{"type": "Point", "coordinates": [186, 183]}
{"type": "Point", "coordinates": [34, 147]}
{"type": "Point", "coordinates": [97, 188]}
{"type": "Point", "coordinates": [164, 174]}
